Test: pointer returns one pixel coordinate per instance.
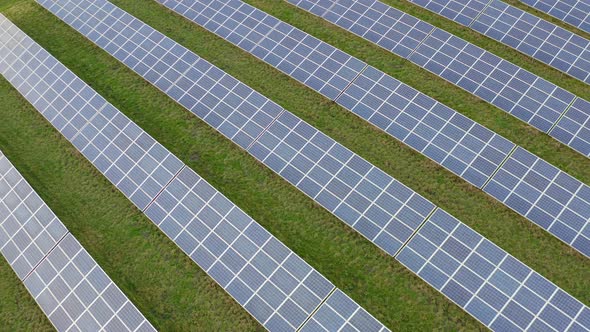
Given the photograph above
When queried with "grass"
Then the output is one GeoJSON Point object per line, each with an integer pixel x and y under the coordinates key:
{"type": "Point", "coordinates": [171, 290]}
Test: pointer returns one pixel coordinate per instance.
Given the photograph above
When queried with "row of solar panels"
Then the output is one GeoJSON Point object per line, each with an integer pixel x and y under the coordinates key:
{"type": "Point", "coordinates": [573, 12]}
{"type": "Point", "coordinates": [516, 91]}
{"type": "Point", "coordinates": [67, 283]}
{"type": "Point", "coordinates": [537, 190]}
{"type": "Point", "coordinates": [269, 280]}
{"type": "Point", "coordinates": [543, 40]}
{"type": "Point", "coordinates": [463, 265]}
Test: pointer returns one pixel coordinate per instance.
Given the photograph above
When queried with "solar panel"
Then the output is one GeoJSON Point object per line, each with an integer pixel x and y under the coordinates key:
{"type": "Point", "coordinates": [573, 128]}
{"type": "Point", "coordinates": [523, 94]}
{"type": "Point", "coordinates": [536, 37]}
{"type": "Point", "coordinates": [493, 286]}
{"type": "Point", "coordinates": [132, 160]}
{"type": "Point", "coordinates": [444, 135]}
{"type": "Point", "coordinates": [385, 26]}
{"type": "Point", "coordinates": [449, 138]}
{"type": "Point", "coordinates": [28, 228]}
{"type": "Point", "coordinates": [379, 207]}
{"type": "Point", "coordinates": [452, 140]}
{"type": "Point", "coordinates": [495, 80]}
{"type": "Point", "coordinates": [364, 197]}
{"type": "Point", "coordinates": [545, 195]}
{"type": "Point", "coordinates": [460, 11]}
{"type": "Point", "coordinates": [574, 12]}
{"type": "Point", "coordinates": [324, 68]}
{"type": "Point", "coordinates": [269, 280]}
{"type": "Point", "coordinates": [69, 286]}
{"type": "Point", "coordinates": [283, 124]}
{"type": "Point", "coordinates": [340, 313]}
{"type": "Point", "coordinates": [77, 295]}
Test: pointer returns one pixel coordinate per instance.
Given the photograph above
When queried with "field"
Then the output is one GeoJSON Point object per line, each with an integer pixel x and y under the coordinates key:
{"type": "Point", "coordinates": [173, 292]}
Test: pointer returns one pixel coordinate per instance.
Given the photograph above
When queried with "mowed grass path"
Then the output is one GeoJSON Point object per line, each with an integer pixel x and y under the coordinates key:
{"type": "Point", "coordinates": [172, 291]}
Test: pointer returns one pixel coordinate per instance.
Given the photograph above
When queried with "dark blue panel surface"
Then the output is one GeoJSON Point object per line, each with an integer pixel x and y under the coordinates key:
{"type": "Point", "coordinates": [318, 65]}
{"type": "Point", "coordinates": [573, 129]}
{"type": "Point", "coordinates": [493, 286]}
{"type": "Point", "coordinates": [341, 313]}
{"type": "Point", "coordinates": [545, 195]}
{"type": "Point", "coordinates": [270, 281]}
{"type": "Point", "coordinates": [574, 12]}
{"type": "Point", "coordinates": [364, 197]}
{"type": "Point", "coordinates": [536, 37]}
{"type": "Point", "coordinates": [444, 135]}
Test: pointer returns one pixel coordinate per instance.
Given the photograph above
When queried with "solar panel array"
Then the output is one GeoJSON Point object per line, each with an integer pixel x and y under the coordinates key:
{"type": "Point", "coordinates": [288, 138]}
{"type": "Point", "coordinates": [574, 12]}
{"type": "Point", "coordinates": [549, 197]}
{"type": "Point", "coordinates": [536, 37]}
{"type": "Point", "coordinates": [270, 281]}
{"type": "Point", "coordinates": [69, 286]}
{"type": "Point", "coordinates": [28, 228]}
{"type": "Point", "coordinates": [525, 32]}
{"type": "Point", "coordinates": [522, 94]}
{"type": "Point", "coordinates": [447, 137]}
{"type": "Point", "coordinates": [493, 286]}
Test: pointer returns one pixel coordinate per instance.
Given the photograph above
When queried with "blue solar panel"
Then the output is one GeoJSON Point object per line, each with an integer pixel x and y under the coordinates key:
{"type": "Point", "coordinates": [265, 277]}
{"type": "Point", "coordinates": [573, 129]}
{"type": "Point", "coordinates": [364, 197]}
{"type": "Point", "coordinates": [523, 94]}
{"type": "Point", "coordinates": [525, 32]}
{"type": "Point", "coordinates": [340, 313]}
{"type": "Point", "coordinates": [452, 140]}
{"type": "Point", "coordinates": [386, 26]}
{"type": "Point", "coordinates": [77, 295]}
{"type": "Point", "coordinates": [461, 11]}
{"type": "Point", "coordinates": [28, 228]}
{"type": "Point", "coordinates": [493, 79]}
{"type": "Point", "coordinates": [449, 138]}
{"type": "Point", "coordinates": [269, 280]}
{"type": "Point", "coordinates": [318, 65]}
{"type": "Point", "coordinates": [574, 12]}
{"type": "Point", "coordinates": [538, 38]}
{"type": "Point", "coordinates": [545, 195]}
{"type": "Point", "coordinates": [493, 286]}
{"type": "Point", "coordinates": [69, 286]}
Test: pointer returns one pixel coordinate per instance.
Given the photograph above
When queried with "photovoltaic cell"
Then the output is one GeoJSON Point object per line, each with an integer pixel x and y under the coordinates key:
{"type": "Point", "coordinates": [493, 286]}
{"type": "Point", "coordinates": [77, 295]}
{"type": "Point", "coordinates": [574, 12]}
{"type": "Point", "coordinates": [385, 26]}
{"type": "Point", "coordinates": [449, 138]}
{"type": "Point", "coordinates": [28, 228]}
{"type": "Point", "coordinates": [495, 80]}
{"type": "Point", "coordinates": [573, 129]}
{"type": "Point", "coordinates": [69, 286]}
{"type": "Point", "coordinates": [536, 37]}
{"type": "Point", "coordinates": [460, 11]}
{"type": "Point", "coordinates": [523, 94]}
{"type": "Point", "coordinates": [318, 65]}
{"type": "Point", "coordinates": [265, 277]}
{"type": "Point", "coordinates": [339, 311]}
{"type": "Point", "coordinates": [364, 197]}
{"type": "Point", "coordinates": [270, 281]}
{"type": "Point", "coordinates": [135, 163]}
{"type": "Point", "coordinates": [545, 195]}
